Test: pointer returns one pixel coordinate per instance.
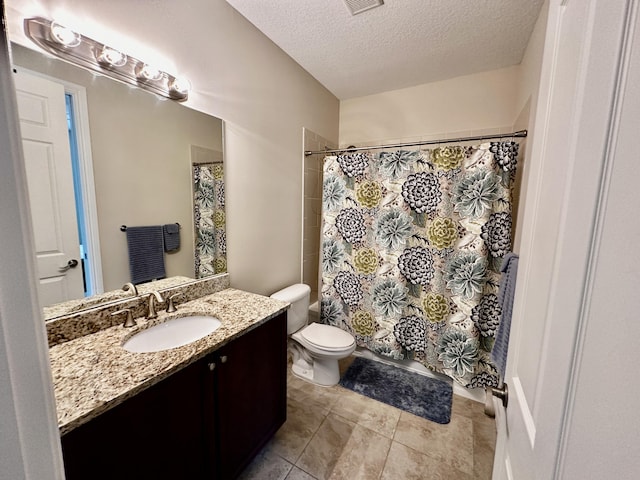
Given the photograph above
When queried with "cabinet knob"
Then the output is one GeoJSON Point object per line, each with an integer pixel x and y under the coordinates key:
{"type": "Point", "coordinates": [212, 366]}
{"type": "Point", "coordinates": [223, 359]}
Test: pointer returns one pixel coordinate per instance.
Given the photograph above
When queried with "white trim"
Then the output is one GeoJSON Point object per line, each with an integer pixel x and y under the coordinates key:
{"type": "Point", "coordinates": [302, 164]}
{"type": "Point", "coordinates": [517, 393]}
{"type": "Point", "coordinates": [608, 160]}
{"type": "Point", "coordinates": [507, 468]}
{"type": "Point", "coordinates": [500, 450]}
{"type": "Point", "coordinates": [81, 113]}
{"type": "Point", "coordinates": [30, 439]}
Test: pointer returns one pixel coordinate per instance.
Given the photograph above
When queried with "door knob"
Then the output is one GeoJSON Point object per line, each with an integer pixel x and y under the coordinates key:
{"type": "Point", "coordinates": [73, 263]}
{"type": "Point", "coordinates": [501, 393]}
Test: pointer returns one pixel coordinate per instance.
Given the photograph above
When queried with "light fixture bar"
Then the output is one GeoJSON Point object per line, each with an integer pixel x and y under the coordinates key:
{"type": "Point", "coordinates": [88, 53]}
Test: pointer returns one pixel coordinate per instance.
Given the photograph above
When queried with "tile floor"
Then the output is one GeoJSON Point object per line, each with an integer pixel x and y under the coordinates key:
{"type": "Point", "coordinates": [334, 433]}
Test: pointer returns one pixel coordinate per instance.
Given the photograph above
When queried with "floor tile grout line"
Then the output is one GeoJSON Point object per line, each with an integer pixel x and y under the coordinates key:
{"type": "Point", "coordinates": [292, 466]}
{"type": "Point", "coordinates": [330, 403]}
{"type": "Point", "coordinates": [386, 459]}
{"type": "Point", "coordinates": [306, 445]}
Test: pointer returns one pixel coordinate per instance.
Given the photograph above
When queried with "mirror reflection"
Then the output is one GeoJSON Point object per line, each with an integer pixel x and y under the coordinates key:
{"type": "Point", "coordinates": [149, 162]}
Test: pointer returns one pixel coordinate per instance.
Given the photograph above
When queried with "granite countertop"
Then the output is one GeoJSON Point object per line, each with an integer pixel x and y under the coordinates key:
{"type": "Point", "coordinates": [93, 373]}
{"type": "Point", "coordinates": [71, 306]}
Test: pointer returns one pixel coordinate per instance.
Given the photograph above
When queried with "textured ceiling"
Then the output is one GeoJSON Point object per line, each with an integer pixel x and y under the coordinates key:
{"type": "Point", "coordinates": [400, 44]}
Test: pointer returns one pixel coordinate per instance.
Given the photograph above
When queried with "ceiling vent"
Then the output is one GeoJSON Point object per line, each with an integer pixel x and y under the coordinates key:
{"type": "Point", "coordinates": [359, 6]}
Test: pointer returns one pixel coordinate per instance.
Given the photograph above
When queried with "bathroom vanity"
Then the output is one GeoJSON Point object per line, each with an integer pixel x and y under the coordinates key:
{"type": "Point", "coordinates": [202, 410]}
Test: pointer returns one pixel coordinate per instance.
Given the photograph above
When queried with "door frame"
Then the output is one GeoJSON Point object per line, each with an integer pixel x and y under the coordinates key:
{"type": "Point", "coordinates": [30, 438]}
{"type": "Point", "coordinates": [592, 135]}
{"type": "Point", "coordinates": [80, 107]}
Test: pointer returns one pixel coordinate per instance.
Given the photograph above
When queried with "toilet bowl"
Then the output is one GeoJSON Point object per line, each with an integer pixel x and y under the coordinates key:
{"type": "Point", "coordinates": [315, 347]}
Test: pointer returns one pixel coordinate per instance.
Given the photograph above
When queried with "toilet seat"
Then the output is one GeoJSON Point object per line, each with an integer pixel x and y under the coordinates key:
{"type": "Point", "coordinates": [326, 337]}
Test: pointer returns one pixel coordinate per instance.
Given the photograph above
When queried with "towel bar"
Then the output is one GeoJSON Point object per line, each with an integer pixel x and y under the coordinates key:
{"type": "Point", "coordinates": [123, 228]}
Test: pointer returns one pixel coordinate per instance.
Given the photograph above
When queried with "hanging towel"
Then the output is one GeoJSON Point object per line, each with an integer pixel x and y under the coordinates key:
{"type": "Point", "coordinates": [506, 294]}
{"type": "Point", "coordinates": [171, 232]}
{"type": "Point", "coordinates": [146, 255]}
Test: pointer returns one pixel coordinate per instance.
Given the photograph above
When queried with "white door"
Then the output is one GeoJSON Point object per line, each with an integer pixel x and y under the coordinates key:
{"type": "Point", "coordinates": [45, 140]}
{"type": "Point", "coordinates": [580, 92]}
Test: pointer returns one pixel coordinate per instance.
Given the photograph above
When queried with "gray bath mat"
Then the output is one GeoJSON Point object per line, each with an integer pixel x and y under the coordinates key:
{"type": "Point", "coordinates": [417, 394]}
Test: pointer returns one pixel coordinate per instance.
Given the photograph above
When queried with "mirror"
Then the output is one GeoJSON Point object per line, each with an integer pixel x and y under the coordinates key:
{"type": "Point", "coordinates": [145, 152]}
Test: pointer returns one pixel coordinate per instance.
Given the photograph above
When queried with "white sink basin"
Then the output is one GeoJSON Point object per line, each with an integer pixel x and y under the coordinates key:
{"type": "Point", "coordinates": [171, 334]}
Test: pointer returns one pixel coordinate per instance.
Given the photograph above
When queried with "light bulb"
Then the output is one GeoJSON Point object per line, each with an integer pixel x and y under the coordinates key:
{"type": "Point", "coordinates": [148, 72]}
{"type": "Point", "coordinates": [112, 57]}
{"type": "Point", "coordinates": [180, 86]}
{"type": "Point", "coordinates": [64, 36]}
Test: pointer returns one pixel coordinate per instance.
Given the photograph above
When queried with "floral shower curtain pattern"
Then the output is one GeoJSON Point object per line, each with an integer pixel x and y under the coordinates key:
{"type": "Point", "coordinates": [209, 220]}
{"type": "Point", "coordinates": [412, 243]}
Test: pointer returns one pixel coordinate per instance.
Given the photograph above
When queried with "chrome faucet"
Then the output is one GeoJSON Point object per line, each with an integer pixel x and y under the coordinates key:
{"type": "Point", "coordinates": [130, 287]}
{"type": "Point", "coordinates": [153, 298]}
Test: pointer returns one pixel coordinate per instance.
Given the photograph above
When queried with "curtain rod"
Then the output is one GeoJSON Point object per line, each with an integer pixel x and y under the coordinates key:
{"type": "Point", "coordinates": [519, 133]}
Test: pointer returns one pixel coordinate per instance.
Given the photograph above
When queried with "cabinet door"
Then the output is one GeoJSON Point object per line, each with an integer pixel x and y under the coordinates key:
{"type": "Point", "coordinates": [251, 394]}
{"type": "Point", "coordinates": [156, 434]}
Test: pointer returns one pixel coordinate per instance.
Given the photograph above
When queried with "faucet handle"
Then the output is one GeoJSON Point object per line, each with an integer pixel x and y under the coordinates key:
{"type": "Point", "coordinates": [154, 297]}
{"type": "Point", "coordinates": [129, 321]}
{"type": "Point", "coordinates": [171, 307]}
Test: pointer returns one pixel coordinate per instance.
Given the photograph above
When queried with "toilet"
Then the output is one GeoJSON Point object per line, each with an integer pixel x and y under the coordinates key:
{"type": "Point", "coordinates": [315, 347]}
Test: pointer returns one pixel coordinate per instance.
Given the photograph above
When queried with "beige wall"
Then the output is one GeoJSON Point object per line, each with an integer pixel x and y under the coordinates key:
{"type": "Point", "coordinates": [529, 68]}
{"type": "Point", "coordinates": [140, 148]}
{"type": "Point", "coordinates": [467, 105]}
{"type": "Point", "coordinates": [266, 99]}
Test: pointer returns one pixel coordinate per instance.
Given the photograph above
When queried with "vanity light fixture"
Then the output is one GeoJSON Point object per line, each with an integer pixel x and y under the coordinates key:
{"type": "Point", "coordinates": [86, 52]}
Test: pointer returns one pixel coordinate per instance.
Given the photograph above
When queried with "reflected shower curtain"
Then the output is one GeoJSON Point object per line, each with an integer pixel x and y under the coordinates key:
{"type": "Point", "coordinates": [209, 219]}
{"type": "Point", "coordinates": [412, 243]}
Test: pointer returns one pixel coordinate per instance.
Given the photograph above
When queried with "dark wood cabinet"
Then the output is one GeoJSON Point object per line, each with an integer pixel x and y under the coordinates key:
{"type": "Point", "coordinates": [156, 434]}
{"type": "Point", "coordinates": [206, 421]}
{"type": "Point", "coordinates": [250, 394]}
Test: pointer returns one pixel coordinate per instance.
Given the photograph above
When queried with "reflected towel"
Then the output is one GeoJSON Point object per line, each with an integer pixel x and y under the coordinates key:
{"type": "Point", "coordinates": [146, 253]}
{"type": "Point", "coordinates": [171, 232]}
{"type": "Point", "coordinates": [506, 294]}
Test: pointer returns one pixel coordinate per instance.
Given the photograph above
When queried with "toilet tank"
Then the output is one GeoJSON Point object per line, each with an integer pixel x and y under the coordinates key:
{"type": "Point", "coordinates": [298, 296]}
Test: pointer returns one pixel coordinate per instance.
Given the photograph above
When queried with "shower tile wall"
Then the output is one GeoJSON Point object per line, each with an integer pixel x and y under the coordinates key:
{"type": "Point", "coordinates": [312, 209]}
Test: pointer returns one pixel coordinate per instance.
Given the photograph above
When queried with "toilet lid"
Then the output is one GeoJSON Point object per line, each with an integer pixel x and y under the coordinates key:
{"type": "Point", "coordinates": [327, 336]}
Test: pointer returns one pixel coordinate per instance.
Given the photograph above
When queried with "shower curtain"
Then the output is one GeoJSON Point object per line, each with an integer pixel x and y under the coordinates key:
{"type": "Point", "coordinates": [412, 243]}
{"type": "Point", "coordinates": [209, 219]}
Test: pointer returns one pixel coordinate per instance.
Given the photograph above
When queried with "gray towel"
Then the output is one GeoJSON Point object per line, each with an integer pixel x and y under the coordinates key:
{"type": "Point", "coordinates": [506, 294]}
{"type": "Point", "coordinates": [171, 232]}
{"type": "Point", "coordinates": [146, 255]}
